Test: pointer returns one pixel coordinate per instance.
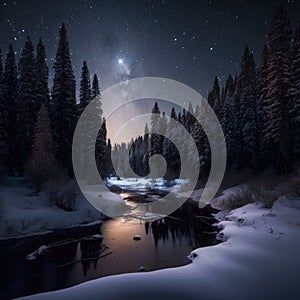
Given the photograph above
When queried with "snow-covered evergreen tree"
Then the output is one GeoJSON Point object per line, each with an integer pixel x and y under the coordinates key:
{"type": "Point", "coordinates": [262, 89]}
{"type": "Point", "coordinates": [146, 150]}
{"type": "Point", "coordinates": [8, 91]}
{"type": "Point", "coordinates": [95, 86]}
{"type": "Point", "coordinates": [155, 138]}
{"type": "Point", "coordinates": [214, 99]}
{"type": "Point", "coordinates": [101, 149]}
{"type": "Point", "coordinates": [294, 94]}
{"type": "Point", "coordinates": [42, 74]}
{"type": "Point", "coordinates": [276, 122]}
{"type": "Point", "coordinates": [1, 65]}
{"type": "Point", "coordinates": [247, 91]}
{"type": "Point", "coordinates": [237, 128]}
{"type": "Point", "coordinates": [41, 165]}
{"type": "Point", "coordinates": [229, 119]}
{"type": "Point", "coordinates": [3, 141]}
{"type": "Point", "coordinates": [27, 103]}
{"type": "Point", "coordinates": [63, 104]}
{"type": "Point", "coordinates": [85, 95]}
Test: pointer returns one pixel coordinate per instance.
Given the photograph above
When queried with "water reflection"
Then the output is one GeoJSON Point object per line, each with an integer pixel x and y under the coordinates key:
{"type": "Point", "coordinates": [188, 222]}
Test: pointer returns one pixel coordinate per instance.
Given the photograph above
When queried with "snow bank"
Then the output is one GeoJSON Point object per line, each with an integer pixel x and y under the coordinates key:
{"type": "Point", "coordinates": [23, 213]}
{"type": "Point", "coordinates": [258, 260]}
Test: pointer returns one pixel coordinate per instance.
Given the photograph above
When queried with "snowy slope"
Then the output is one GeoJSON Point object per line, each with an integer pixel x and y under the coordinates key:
{"type": "Point", "coordinates": [23, 213]}
{"type": "Point", "coordinates": [259, 259]}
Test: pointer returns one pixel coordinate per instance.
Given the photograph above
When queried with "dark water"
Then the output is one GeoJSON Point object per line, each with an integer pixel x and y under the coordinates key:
{"type": "Point", "coordinates": [72, 258]}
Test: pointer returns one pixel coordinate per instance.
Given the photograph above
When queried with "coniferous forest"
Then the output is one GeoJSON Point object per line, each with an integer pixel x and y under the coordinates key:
{"type": "Point", "coordinates": [258, 108]}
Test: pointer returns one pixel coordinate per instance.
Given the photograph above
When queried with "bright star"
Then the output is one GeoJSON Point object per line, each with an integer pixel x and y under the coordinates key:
{"type": "Point", "coordinates": [120, 61]}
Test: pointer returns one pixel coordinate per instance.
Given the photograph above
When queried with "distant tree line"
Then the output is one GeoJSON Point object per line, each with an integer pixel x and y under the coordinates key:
{"type": "Point", "coordinates": [258, 108]}
{"type": "Point", "coordinates": [37, 124]}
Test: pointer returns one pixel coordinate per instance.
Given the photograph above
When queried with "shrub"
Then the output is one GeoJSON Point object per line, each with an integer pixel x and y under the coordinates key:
{"type": "Point", "coordinates": [268, 197]}
{"type": "Point", "coordinates": [234, 197]}
{"type": "Point", "coordinates": [2, 214]}
{"type": "Point", "coordinates": [61, 191]}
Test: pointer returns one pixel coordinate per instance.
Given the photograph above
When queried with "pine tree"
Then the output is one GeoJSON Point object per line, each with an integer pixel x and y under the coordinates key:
{"type": "Point", "coordinates": [155, 138]}
{"type": "Point", "coordinates": [42, 74]}
{"type": "Point", "coordinates": [27, 105]}
{"type": "Point", "coordinates": [8, 105]}
{"type": "Point", "coordinates": [229, 119]}
{"type": "Point", "coordinates": [214, 99]}
{"type": "Point", "coordinates": [276, 122]}
{"type": "Point", "coordinates": [95, 86]}
{"type": "Point", "coordinates": [237, 128]}
{"type": "Point", "coordinates": [146, 150]}
{"type": "Point", "coordinates": [42, 163]}
{"type": "Point", "coordinates": [247, 90]}
{"type": "Point", "coordinates": [1, 66]}
{"type": "Point", "coordinates": [101, 149]}
{"type": "Point", "coordinates": [173, 114]}
{"type": "Point", "coordinates": [162, 128]}
{"type": "Point", "coordinates": [85, 88]}
{"type": "Point", "coordinates": [262, 89]}
{"type": "Point", "coordinates": [63, 104]}
{"type": "Point", "coordinates": [170, 152]}
{"type": "Point", "coordinates": [3, 142]}
{"type": "Point", "coordinates": [108, 167]}
{"type": "Point", "coordinates": [87, 145]}
{"type": "Point", "coordinates": [294, 93]}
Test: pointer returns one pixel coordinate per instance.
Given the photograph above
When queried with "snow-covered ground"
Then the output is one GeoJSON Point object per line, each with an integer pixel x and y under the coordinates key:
{"type": "Point", "coordinates": [22, 213]}
{"type": "Point", "coordinates": [259, 259]}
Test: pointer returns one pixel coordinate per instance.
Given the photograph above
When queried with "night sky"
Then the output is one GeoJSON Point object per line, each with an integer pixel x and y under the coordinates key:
{"type": "Point", "coordinates": [189, 41]}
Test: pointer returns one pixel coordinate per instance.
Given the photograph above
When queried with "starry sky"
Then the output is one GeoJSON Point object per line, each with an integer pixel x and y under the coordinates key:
{"type": "Point", "coordinates": [189, 41]}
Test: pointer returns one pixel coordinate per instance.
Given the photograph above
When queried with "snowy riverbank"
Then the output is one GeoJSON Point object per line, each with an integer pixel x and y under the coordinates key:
{"type": "Point", "coordinates": [25, 214]}
{"type": "Point", "coordinates": [259, 259]}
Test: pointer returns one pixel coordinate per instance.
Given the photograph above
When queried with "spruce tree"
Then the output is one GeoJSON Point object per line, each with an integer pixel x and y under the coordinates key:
{"type": "Point", "coordinates": [262, 89]}
{"type": "Point", "coordinates": [42, 74]}
{"type": "Point", "coordinates": [63, 104]}
{"type": "Point", "coordinates": [155, 138]}
{"type": "Point", "coordinates": [42, 164]}
{"type": "Point", "coordinates": [101, 149]}
{"type": "Point", "coordinates": [85, 95]}
{"type": "Point", "coordinates": [237, 128]}
{"type": "Point", "coordinates": [95, 86]}
{"type": "Point", "coordinates": [3, 141]}
{"type": "Point", "coordinates": [8, 91]}
{"type": "Point", "coordinates": [294, 93]}
{"type": "Point", "coordinates": [1, 65]}
{"type": "Point", "coordinates": [27, 102]}
{"type": "Point", "coordinates": [214, 99]}
{"type": "Point", "coordinates": [276, 122]}
{"type": "Point", "coordinates": [146, 150]}
{"type": "Point", "coordinates": [229, 119]}
{"type": "Point", "coordinates": [247, 90]}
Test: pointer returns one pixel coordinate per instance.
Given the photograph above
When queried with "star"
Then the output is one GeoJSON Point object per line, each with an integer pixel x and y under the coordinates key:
{"type": "Point", "coordinates": [120, 61]}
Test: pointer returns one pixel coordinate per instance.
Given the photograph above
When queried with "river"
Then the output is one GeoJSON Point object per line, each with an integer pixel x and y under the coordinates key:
{"type": "Point", "coordinates": [121, 245]}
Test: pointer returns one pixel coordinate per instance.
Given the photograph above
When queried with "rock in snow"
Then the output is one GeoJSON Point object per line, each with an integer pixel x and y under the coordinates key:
{"type": "Point", "coordinates": [34, 255]}
{"type": "Point", "coordinates": [137, 238]}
